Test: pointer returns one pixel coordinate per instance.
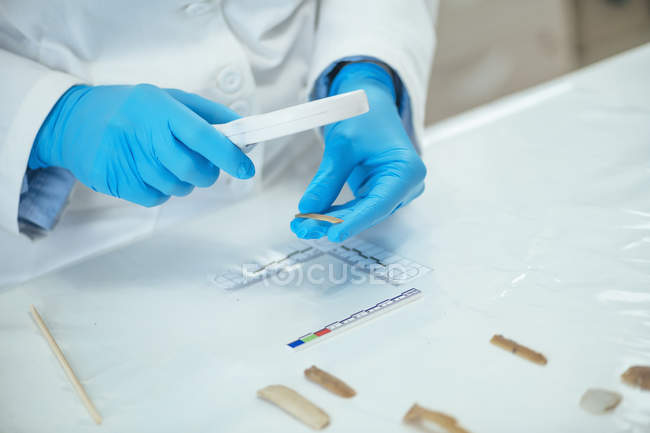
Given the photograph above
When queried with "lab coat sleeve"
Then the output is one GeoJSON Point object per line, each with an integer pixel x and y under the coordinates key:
{"type": "Point", "coordinates": [29, 91]}
{"type": "Point", "coordinates": [399, 36]}
{"type": "Point", "coordinates": [45, 196]}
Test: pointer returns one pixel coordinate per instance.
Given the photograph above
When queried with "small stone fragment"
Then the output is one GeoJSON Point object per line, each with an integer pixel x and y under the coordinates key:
{"type": "Point", "coordinates": [638, 375]}
{"type": "Point", "coordinates": [599, 401]}
{"type": "Point", "coordinates": [416, 414]}
{"type": "Point", "coordinates": [320, 217]}
{"type": "Point", "coordinates": [329, 382]}
{"type": "Point", "coordinates": [295, 404]}
{"type": "Point", "coordinates": [518, 349]}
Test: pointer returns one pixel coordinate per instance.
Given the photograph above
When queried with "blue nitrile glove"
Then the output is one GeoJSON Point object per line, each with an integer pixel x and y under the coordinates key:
{"type": "Point", "coordinates": [140, 143]}
{"type": "Point", "coordinates": [372, 152]}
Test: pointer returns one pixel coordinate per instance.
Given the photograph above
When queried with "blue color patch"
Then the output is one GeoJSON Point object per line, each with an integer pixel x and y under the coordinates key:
{"type": "Point", "coordinates": [296, 343]}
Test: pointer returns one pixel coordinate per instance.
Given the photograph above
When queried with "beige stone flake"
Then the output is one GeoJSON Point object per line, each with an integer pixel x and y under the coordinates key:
{"type": "Point", "coordinates": [600, 401]}
{"type": "Point", "coordinates": [638, 375]}
{"type": "Point", "coordinates": [329, 382]}
{"type": "Point", "coordinates": [295, 404]}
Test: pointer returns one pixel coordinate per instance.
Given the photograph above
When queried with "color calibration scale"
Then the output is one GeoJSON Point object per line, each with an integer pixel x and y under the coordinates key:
{"type": "Point", "coordinates": [363, 255]}
{"type": "Point", "coordinates": [355, 319]}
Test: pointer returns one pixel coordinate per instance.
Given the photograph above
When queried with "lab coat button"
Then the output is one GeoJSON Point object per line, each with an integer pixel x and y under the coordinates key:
{"type": "Point", "coordinates": [198, 8]}
{"type": "Point", "coordinates": [241, 107]}
{"type": "Point", "coordinates": [229, 80]}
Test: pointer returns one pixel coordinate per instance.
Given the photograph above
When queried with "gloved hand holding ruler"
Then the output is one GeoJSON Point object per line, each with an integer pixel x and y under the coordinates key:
{"type": "Point", "coordinates": [246, 132]}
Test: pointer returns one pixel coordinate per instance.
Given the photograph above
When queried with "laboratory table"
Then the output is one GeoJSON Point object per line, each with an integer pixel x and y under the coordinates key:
{"type": "Point", "coordinates": [535, 224]}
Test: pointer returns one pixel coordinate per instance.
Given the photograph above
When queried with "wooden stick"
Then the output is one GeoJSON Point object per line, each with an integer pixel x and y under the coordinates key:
{"type": "Point", "coordinates": [518, 349]}
{"type": "Point", "coordinates": [329, 382]}
{"type": "Point", "coordinates": [66, 367]}
{"type": "Point", "coordinates": [320, 217]}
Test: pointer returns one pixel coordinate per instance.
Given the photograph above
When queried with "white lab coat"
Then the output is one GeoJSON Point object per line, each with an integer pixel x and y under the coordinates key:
{"type": "Point", "coordinates": [252, 55]}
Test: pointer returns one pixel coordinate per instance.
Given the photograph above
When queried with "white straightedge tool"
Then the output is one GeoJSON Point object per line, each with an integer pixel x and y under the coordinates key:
{"type": "Point", "coordinates": [248, 131]}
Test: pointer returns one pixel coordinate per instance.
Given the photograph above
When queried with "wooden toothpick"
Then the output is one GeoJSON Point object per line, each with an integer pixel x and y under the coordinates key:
{"type": "Point", "coordinates": [66, 367]}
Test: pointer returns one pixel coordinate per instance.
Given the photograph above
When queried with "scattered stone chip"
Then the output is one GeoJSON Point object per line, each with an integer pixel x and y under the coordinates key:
{"type": "Point", "coordinates": [518, 349]}
{"type": "Point", "coordinates": [600, 401]}
{"type": "Point", "coordinates": [329, 382]}
{"type": "Point", "coordinates": [638, 375]}
{"type": "Point", "coordinates": [417, 414]}
{"type": "Point", "coordinates": [295, 404]}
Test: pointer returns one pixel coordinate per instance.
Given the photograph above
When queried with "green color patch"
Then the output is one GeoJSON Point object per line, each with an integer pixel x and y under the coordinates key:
{"type": "Point", "coordinates": [309, 337]}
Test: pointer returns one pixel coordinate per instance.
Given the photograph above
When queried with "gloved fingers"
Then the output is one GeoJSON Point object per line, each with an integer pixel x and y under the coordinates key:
{"type": "Point", "coordinates": [306, 228]}
{"type": "Point", "coordinates": [138, 192]}
{"type": "Point", "coordinates": [158, 177]}
{"type": "Point", "coordinates": [210, 111]}
{"type": "Point", "coordinates": [153, 173]}
{"type": "Point", "coordinates": [380, 202]}
{"type": "Point", "coordinates": [186, 164]}
{"type": "Point", "coordinates": [309, 229]}
{"type": "Point", "coordinates": [416, 192]}
{"type": "Point", "coordinates": [315, 229]}
{"type": "Point", "coordinates": [328, 181]}
{"type": "Point", "coordinates": [201, 137]}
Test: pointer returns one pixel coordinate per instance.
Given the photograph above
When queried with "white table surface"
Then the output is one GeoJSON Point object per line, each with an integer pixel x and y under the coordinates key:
{"type": "Point", "coordinates": [536, 220]}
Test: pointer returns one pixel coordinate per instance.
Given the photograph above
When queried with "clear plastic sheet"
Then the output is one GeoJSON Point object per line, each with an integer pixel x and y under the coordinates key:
{"type": "Point", "coordinates": [535, 221]}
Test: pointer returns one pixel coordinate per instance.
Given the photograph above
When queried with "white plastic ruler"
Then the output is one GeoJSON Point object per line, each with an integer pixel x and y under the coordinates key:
{"type": "Point", "coordinates": [248, 131]}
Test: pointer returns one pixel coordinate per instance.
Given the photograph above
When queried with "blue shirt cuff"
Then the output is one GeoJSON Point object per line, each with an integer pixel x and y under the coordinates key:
{"type": "Point", "coordinates": [44, 194]}
{"type": "Point", "coordinates": [322, 85]}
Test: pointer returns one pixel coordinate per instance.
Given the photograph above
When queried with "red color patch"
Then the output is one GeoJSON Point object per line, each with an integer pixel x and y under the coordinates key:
{"type": "Point", "coordinates": [322, 332]}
